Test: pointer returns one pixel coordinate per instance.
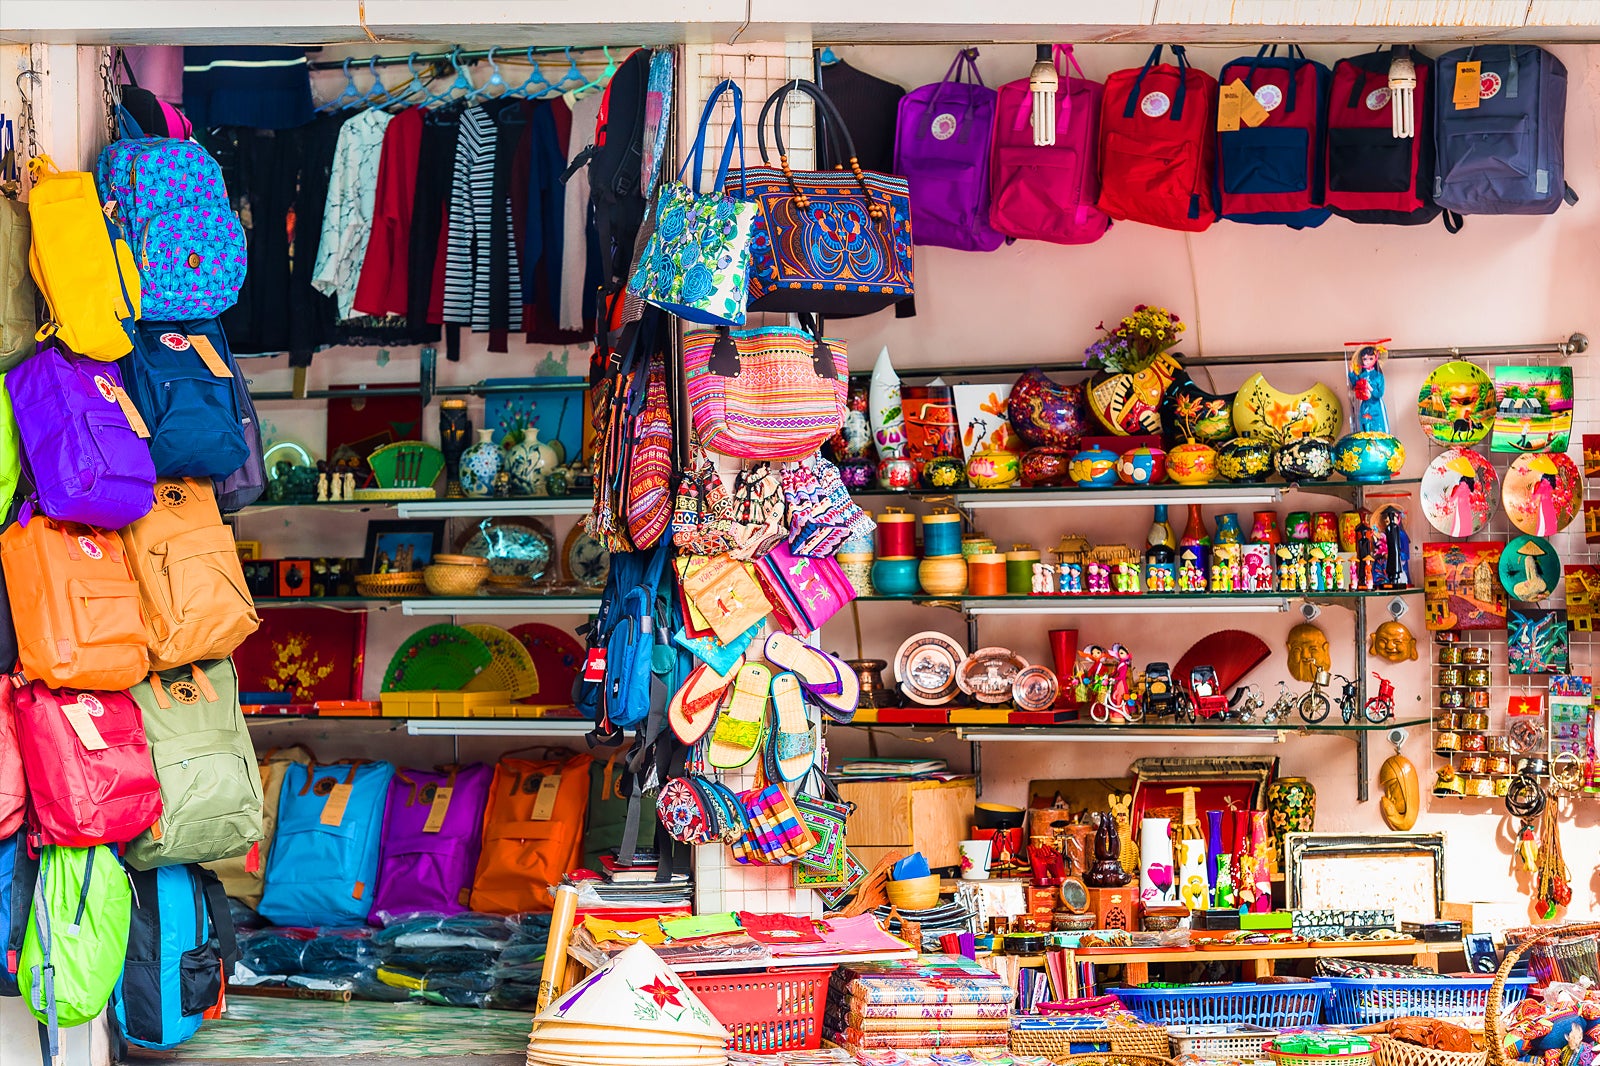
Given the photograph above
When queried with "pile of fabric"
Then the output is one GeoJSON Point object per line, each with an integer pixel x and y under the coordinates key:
{"type": "Point", "coordinates": [937, 1001]}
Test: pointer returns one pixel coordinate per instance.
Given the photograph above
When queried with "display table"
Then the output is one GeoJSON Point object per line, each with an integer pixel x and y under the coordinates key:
{"type": "Point", "coordinates": [1261, 958]}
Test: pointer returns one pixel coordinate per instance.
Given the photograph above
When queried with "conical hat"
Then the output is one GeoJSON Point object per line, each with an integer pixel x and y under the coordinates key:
{"type": "Point", "coordinates": [553, 1033]}
{"type": "Point", "coordinates": [636, 991]}
{"type": "Point", "coordinates": [595, 1057]}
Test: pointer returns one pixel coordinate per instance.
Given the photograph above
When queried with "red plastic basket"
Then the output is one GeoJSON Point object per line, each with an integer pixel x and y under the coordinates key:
{"type": "Point", "coordinates": [777, 1010]}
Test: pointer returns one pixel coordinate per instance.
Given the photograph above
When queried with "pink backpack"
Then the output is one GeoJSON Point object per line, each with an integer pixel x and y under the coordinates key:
{"type": "Point", "coordinates": [1048, 192]}
{"type": "Point", "coordinates": [13, 784]}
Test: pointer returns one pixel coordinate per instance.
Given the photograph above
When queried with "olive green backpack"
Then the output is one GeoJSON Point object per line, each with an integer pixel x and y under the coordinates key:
{"type": "Point", "coordinates": [77, 937]}
{"type": "Point", "coordinates": [210, 788]}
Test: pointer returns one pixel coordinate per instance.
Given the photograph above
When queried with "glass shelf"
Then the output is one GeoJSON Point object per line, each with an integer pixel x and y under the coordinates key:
{"type": "Point", "coordinates": [322, 601]}
{"type": "Point", "coordinates": [1068, 495]}
{"type": "Point", "coordinates": [977, 731]}
{"type": "Point", "coordinates": [438, 508]}
{"type": "Point", "coordinates": [1144, 603]}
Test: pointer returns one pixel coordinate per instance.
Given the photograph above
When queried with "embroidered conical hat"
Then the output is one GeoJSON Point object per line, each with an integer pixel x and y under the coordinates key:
{"type": "Point", "coordinates": [636, 991]}
{"type": "Point", "coordinates": [550, 1034]}
{"type": "Point", "coordinates": [540, 1057]}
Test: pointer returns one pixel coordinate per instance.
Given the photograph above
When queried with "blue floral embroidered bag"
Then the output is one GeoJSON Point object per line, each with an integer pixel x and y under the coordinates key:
{"type": "Point", "coordinates": [697, 262]}
{"type": "Point", "coordinates": [831, 242]}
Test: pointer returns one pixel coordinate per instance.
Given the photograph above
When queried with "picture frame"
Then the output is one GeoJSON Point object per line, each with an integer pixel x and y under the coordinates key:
{"type": "Point", "coordinates": [1482, 957]}
{"type": "Point", "coordinates": [247, 549]}
{"type": "Point", "coordinates": [1399, 871]}
{"type": "Point", "coordinates": [408, 542]}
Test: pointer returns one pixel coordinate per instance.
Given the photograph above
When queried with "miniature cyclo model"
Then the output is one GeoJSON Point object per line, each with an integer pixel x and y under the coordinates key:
{"type": "Point", "coordinates": [1205, 694]}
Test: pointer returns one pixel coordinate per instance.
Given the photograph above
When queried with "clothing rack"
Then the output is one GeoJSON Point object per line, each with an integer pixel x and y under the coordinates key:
{"type": "Point", "coordinates": [508, 54]}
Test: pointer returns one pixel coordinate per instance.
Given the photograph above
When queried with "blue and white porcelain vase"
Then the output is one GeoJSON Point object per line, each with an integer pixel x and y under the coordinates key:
{"type": "Point", "coordinates": [528, 462]}
{"type": "Point", "coordinates": [479, 465]}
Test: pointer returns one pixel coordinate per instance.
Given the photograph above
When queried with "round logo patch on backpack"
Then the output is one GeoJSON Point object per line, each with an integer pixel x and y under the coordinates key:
{"type": "Point", "coordinates": [944, 127]}
{"type": "Point", "coordinates": [1488, 85]}
{"type": "Point", "coordinates": [171, 495]}
{"type": "Point", "coordinates": [90, 548]}
{"type": "Point", "coordinates": [108, 391]}
{"type": "Point", "coordinates": [1269, 97]}
{"type": "Point", "coordinates": [323, 787]}
{"type": "Point", "coordinates": [91, 703]}
{"type": "Point", "coordinates": [185, 691]}
{"type": "Point", "coordinates": [1378, 99]}
{"type": "Point", "coordinates": [176, 341]}
{"type": "Point", "coordinates": [1155, 104]}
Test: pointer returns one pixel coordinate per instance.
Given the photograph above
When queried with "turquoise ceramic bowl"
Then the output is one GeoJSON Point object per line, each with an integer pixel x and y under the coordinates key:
{"type": "Point", "coordinates": [1369, 457]}
{"type": "Point", "coordinates": [895, 576]}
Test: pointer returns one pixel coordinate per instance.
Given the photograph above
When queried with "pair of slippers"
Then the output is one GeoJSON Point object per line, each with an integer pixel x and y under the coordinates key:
{"type": "Point", "coordinates": [830, 682]}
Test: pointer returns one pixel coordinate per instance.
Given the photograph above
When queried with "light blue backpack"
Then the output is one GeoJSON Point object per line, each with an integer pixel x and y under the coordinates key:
{"type": "Point", "coordinates": [180, 940]}
{"type": "Point", "coordinates": [323, 867]}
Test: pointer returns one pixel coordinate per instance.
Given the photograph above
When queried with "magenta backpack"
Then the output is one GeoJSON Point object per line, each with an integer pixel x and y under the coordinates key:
{"type": "Point", "coordinates": [1048, 192]}
{"type": "Point", "coordinates": [88, 463]}
{"type": "Point", "coordinates": [941, 148]}
{"type": "Point", "coordinates": [419, 870]}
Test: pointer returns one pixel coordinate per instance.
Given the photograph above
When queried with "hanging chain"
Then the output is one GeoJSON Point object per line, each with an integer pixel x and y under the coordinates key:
{"type": "Point", "coordinates": [111, 93]}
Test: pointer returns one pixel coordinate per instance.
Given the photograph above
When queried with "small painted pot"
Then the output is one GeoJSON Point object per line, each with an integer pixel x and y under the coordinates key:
{"type": "Point", "coordinates": [1192, 463]}
{"type": "Point", "coordinates": [1305, 459]}
{"type": "Point", "coordinates": [894, 576]}
{"type": "Point", "coordinates": [1369, 457]}
{"type": "Point", "coordinates": [897, 473]}
{"type": "Point", "coordinates": [1244, 460]}
{"type": "Point", "coordinates": [941, 533]}
{"type": "Point", "coordinates": [1094, 468]}
{"type": "Point", "coordinates": [1291, 807]}
{"type": "Point", "coordinates": [943, 575]}
{"type": "Point", "coordinates": [857, 473]}
{"type": "Point", "coordinates": [1044, 466]}
{"type": "Point", "coordinates": [943, 472]}
{"type": "Point", "coordinates": [993, 468]}
{"type": "Point", "coordinates": [1142, 466]}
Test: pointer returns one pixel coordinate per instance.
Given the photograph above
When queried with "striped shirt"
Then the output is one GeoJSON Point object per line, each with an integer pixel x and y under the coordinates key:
{"type": "Point", "coordinates": [473, 242]}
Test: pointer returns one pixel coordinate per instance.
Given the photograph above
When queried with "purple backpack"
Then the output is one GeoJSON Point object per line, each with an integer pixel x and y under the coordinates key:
{"type": "Point", "coordinates": [941, 147]}
{"type": "Point", "coordinates": [88, 464]}
{"type": "Point", "coordinates": [430, 871]}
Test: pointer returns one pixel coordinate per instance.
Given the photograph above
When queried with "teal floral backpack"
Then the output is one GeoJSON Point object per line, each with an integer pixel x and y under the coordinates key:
{"type": "Point", "coordinates": [697, 261]}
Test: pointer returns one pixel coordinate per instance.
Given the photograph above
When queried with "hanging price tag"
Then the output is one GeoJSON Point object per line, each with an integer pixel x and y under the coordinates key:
{"type": "Point", "coordinates": [1251, 113]}
{"type": "Point", "coordinates": [333, 810]}
{"type": "Point", "coordinates": [1466, 92]}
{"type": "Point", "coordinates": [83, 724]}
{"type": "Point", "coordinates": [436, 812]}
{"type": "Point", "coordinates": [544, 804]}
{"type": "Point", "coordinates": [209, 356]}
{"type": "Point", "coordinates": [1229, 104]}
{"type": "Point", "coordinates": [130, 412]}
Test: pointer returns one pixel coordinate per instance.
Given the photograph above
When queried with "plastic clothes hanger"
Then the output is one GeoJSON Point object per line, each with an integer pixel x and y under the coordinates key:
{"type": "Point", "coordinates": [496, 80]}
{"type": "Point", "coordinates": [409, 91]}
{"type": "Point", "coordinates": [572, 74]}
{"type": "Point", "coordinates": [602, 79]}
{"type": "Point", "coordinates": [463, 82]}
{"type": "Point", "coordinates": [376, 95]}
{"type": "Point", "coordinates": [537, 84]}
{"type": "Point", "coordinates": [350, 92]}
{"type": "Point", "coordinates": [827, 58]}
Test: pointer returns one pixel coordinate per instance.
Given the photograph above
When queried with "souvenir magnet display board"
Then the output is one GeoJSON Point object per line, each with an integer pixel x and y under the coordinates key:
{"type": "Point", "coordinates": [1530, 569]}
{"type": "Point", "coordinates": [442, 658]}
{"type": "Point", "coordinates": [308, 652]}
{"type": "Point", "coordinates": [1461, 585]}
{"type": "Point", "coordinates": [1457, 403]}
{"type": "Point", "coordinates": [1458, 492]}
{"type": "Point", "coordinates": [1542, 493]}
{"type": "Point", "coordinates": [1534, 411]}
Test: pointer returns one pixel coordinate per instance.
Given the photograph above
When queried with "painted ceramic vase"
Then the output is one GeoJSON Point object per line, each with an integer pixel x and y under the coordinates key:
{"type": "Point", "coordinates": [1228, 531]}
{"type": "Point", "coordinates": [1045, 412]}
{"type": "Point", "coordinates": [1306, 459]}
{"type": "Point", "coordinates": [857, 473]}
{"type": "Point", "coordinates": [884, 412]}
{"type": "Point", "coordinates": [993, 468]}
{"type": "Point", "coordinates": [1130, 404]}
{"type": "Point", "coordinates": [1142, 466]}
{"type": "Point", "coordinates": [1188, 412]}
{"type": "Point", "coordinates": [479, 465]}
{"type": "Point", "coordinates": [1369, 457]}
{"type": "Point", "coordinates": [897, 473]}
{"type": "Point", "coordinates": [1259, 410]}
{"type": "Point", "coordinates": [1192, 882]}
{"type": "Point", "coordinates": [1044, 466]}
{"type": "Point", "coordinates": [1094, 468]}
{"type": "Point", "coordinates": [1291, 808]}
{"type": "Point", "coordinates": [1158, 875]}
{"type": "Point", "coordinates": [1244, 460]}
{"type": "Point", "coordinates": [1192, 463]}
{"type": "Point", "coordinates": [943, 472]}
{"type": "Point", "coordinates": [528, 462]}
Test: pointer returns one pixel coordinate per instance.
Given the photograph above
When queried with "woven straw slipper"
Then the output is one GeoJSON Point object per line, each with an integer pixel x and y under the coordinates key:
{"type": "Point", "coordinates": [829, 681]}
{"type": "Point", "coordinates": [742, 725]}
{"type": "Point", "coordinates": [794, 746]}
{"type": "Point", "coordinates": [693, 708]}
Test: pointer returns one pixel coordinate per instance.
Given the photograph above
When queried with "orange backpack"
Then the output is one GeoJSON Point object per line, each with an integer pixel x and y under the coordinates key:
{"type": "Point", "coordinates": [195, 601]}
{"type": "Point", "coordinates": [532, 833]}
{"type": "Point", "coordinates": [75, 606]}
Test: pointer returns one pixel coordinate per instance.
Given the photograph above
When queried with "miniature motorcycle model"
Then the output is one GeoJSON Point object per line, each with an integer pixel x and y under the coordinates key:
{"type": "Point", "coordinates": [1380, 708]}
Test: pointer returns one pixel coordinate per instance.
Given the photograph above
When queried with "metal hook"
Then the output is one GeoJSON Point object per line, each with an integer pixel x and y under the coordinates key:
{"type": "Point", "coordinates": [31, 75]}
{"type": "Point", "coordinates": [745, 25]}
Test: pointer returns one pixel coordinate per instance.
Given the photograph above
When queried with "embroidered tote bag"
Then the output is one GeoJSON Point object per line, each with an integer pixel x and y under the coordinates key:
{"type": "Point", "coordinates": [774, 393]}
{"type": "Point", "coordinates": [697, 263]}
{"type": "Point", "coordinates": [831, 242]}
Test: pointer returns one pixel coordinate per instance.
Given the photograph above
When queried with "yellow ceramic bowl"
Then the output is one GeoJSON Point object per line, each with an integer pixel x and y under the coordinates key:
{"type": "Point", "coordinates": [1192, 464]}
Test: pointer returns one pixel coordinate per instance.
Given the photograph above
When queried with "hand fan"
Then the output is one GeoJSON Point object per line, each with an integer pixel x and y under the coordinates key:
{"type": "Point", "coordinates": [439, 658]}
{"type": "Point", "coordinates": [1232, 652]}
{"type": "Point", "coordinates": [557, 658]}
{"type": "Point", "coordinates": [512, 668]}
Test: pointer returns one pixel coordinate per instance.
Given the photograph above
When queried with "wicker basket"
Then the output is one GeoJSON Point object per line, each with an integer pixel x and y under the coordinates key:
{"type": "Point", "coordinates": [1387, 1051]}
{"type": "Point", "coordinates": [1290, 1058]}
{"type": "Point", "coordinates": [1494, 1025]}
{"type": "Point", "coordinates": [398, 585]}
{"type": "Point", "coordinates": [1113, 1058]}
{"type": "Point", "coordinates": [1140, 1041]}
{"type": "Point", "coordinates": [451, 579]}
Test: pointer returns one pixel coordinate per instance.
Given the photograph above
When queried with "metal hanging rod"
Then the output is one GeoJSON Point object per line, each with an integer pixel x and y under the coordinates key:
{"type": "Point", "coordinates": [508, 54]}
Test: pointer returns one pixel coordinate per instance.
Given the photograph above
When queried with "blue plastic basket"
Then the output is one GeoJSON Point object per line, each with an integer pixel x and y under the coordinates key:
{"type": "Point", "coordinates": [1274, 1006]}
{"type": "Point", "coordinates": [1362, 1001]}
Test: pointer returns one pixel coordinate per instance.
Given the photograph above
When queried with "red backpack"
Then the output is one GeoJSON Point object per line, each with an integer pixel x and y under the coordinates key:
{"type": "Point", "coordinates": [1374, 176]}
{"type": "Point", "coordinates": [13, 784]}
{"type": "Point", "coordinates": [1157, 136]}
{"type": "Point", "coordinates": [1272, 173]}
{"type": "Point", "coordinates": [90, 778]}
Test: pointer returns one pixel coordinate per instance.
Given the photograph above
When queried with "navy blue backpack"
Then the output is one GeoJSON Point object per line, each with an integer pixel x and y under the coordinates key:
{"type": "Point", "coordinates": [180, 939]}
{"type": "Point", "coordinates": [18, 872]}
{"type": "Point", "coordinates": [179, 378]}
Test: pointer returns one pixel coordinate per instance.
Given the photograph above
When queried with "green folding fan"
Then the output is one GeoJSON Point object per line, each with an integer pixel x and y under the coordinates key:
{"type": "Point", "coordinates": [440, 658]}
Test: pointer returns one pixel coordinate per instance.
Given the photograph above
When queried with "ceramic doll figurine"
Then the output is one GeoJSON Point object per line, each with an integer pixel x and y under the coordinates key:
{"type": "Point", "coordinates": [1072, 579]}
{"type": "Point", "coordinates": [1097, 578]}
{"type": "Point", "coordinates": [1397, 551]}
{"type": "Point", "coordinates": [1366, 552]}
{"type": "Point", "coordinates": [1365, 373]}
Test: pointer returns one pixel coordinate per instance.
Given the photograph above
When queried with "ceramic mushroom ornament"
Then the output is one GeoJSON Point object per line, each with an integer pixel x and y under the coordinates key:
{"type": "Point", "coordinates": [1308, 652]}
{"type": "Point", "coordinates": [1393, 642]}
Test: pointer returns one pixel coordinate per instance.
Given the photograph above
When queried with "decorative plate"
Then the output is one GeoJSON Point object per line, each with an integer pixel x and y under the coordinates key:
{"type": "Point", "coordinates": [557, 658]}
{"type": "Point", "coordinates": [512, 669]}
{"type": "Point", "coordinates": [1457, 403]}
{"type": "Point", "coordinates": [406, 464]}
{"type": "Point", "coordinates": [1259, 410]}
{"type": "Point", "coordinates": [988, 673]}
{"type": "Point", "coordinates": [926, 666]}
{"type": "Point", "coordinates": [1035, 688]}
{"type": "Point", "coordinates": [514, 547]}
{"type": "Point", "coordinates": [1458, 492]}
{"type": "Point", "coordinates": [585, 559]}
{"type": "Point", "coordinates": [438, 658]}
{"type": "Point", "coordinates": [1542, 493]}
{"type": "Point", "coordinates": [1530, 569]}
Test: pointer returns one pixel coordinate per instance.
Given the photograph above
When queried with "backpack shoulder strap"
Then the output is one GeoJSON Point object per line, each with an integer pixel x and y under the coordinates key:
{"type": "Point", "coordinates": [216, 901]}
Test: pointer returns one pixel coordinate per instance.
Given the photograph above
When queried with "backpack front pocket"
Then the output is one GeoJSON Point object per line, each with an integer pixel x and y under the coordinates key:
{"type": "Point", "coordinates": [1369, 160]}
{"type": "Point", "coordinates": [191, 263]}
{"type": "Point", "coordinates": [1148, 173]}
{"type": "Point", "coordinates": [194, 422]}
{"type": "Point", "coordinates": [1264, 160]}
{"type": "Point", "coordinates": [201, 578]}
{"type": "Point", "coordinates": [209, 808]}
{"type": "Point", "coordinates": [1493, 154]}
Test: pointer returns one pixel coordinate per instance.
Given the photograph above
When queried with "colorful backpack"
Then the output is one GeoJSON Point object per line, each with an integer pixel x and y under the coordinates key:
{"type": "Point", "coordinates": [1157, 137]}
{"type": "Point", "coordinates": [10, 451]}
{"type": "Point", "coordinates": [75, 606]}
{"type": "Point", "coordinates": [532, 833]}
{"type": "Point", "coordinates": [84, 270]}
{"type": "Point", "coordinates": [1507, 155]}
{"type": "Point", "coordinates": [88, 463]}
{"type": "Point", "coordinates": [77, 937]}
{"type": "Point", "coordinates": [432, 833]}
{"type": "Point", "coordinates": [205, 764]}
{"type": "Point", "coordinates": [191, 584]}
{"type": "Point", "coordinates": [1375, 177]}
{"type": "Point", "coordinates": [168, 197]}
{"type": "Point", "coordinates": [13, 777]}
{"type": "Point", "coordinates": [241, 875]}
{"type": "Point", "coordinates": [324, 859]}
{"type": "Point", "coordinates": [182, 378]}
{"type": "Point", "coordinates": [245, 485]}
{"type": "Point", "coordinates": [1272, 173]}
{"type": "Point", "coordinates": [18, 873]}
{"type": "Point", "coordinates": [1048, 192]}
{"type": "Point", "coordinates": [88, 765]}
{"type": "Point", "coordinates": [633, 619]}
{"type": "Point", "coordinates": [180, 940]}
{"type": "Point", "coordinates": [941, 148]}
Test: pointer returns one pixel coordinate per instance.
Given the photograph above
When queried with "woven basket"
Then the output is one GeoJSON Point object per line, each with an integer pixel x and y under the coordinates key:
{"type": "Point", "coordinates": [450, 579]}
{"type": "Point", "coordinates": [399, 585]}
{"type": "Point", "coordinates": [1494, 1025]}
{"type": "Point", "coordinates": [1113, 1058]}
{"type": "Point", "coordinates": [1387, 1051]}
{"type": "Point", "coordinates": [1140, 1041]}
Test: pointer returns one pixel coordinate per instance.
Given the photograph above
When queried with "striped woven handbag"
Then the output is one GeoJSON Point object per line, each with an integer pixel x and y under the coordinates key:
{"type": "Point", "coordinates": [774, 393]}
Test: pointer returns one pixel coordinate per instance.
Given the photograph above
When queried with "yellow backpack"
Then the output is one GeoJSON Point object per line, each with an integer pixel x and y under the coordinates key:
{"type": "Point", "coordinates": [87, 275]}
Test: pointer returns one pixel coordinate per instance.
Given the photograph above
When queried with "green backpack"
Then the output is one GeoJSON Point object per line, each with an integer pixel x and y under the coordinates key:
{"type": "Point", "coordinates": [210, 787]}
{"type": "Point", "coordinates": [77, 936]}
{"type": "Point", "coordinates": [10, 450]}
